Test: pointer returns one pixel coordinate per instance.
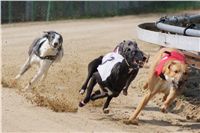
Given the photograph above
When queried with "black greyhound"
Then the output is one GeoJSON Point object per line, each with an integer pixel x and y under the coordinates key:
{"type": "Point", "coordinates": [122, 74]}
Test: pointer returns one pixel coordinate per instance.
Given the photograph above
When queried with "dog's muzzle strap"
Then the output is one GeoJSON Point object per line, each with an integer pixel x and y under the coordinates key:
{"type": "Point", "coordinates": [50, 57]}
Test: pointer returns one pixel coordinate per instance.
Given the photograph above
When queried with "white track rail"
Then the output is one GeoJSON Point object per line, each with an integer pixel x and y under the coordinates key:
{"type": "Point", "coordinates": [149, 33]}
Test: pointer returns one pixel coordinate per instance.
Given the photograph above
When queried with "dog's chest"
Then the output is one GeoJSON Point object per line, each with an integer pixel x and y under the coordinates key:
{"type": "Point", "coordinates": [119, 81]}
{"type": "Point", "coordinates": [166, 86]}
{"type": "Point", "coordinates": [46, 50]}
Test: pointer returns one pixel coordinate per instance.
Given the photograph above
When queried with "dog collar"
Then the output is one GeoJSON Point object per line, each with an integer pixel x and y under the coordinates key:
{"type": "Point", "coordinates": [126, 62]}
{"type": "Point", "coordinates": [50, 57]}
{"type": "Point", "coordinates": [162, 76]}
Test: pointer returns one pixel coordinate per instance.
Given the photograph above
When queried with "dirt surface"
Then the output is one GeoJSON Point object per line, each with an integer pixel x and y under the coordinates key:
{"type": "Point", "coordinates": [83, 41]}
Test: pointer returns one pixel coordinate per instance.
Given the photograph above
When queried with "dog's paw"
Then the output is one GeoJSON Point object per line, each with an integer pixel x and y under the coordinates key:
{"type": "Point", "coordinates": [106, 111]}
{"type": "Point", "coordinates": [81, 104]}
{"type": "Point", "coordinates": [28, 88]}
{"type": "Point", "coordinates": [125, 92]}
{"type": "Point", "coordinates": [81, 91]}
{"type": "Point", "coordinates": [133, 122]}
{"type": "Point", "coordinates": [163, 109]}
{"type": "Point", "coordinates": [25, 90]}
{"type": "Point", "coordinates": [14, 83]}
{"type": "Point", "coordinates": [18, 76]}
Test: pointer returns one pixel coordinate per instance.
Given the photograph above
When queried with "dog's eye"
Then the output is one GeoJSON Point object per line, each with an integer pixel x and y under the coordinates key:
{"type": "Point", "coordinates": [60, 39]}
{"type": "Point", "coordinates": [130, 44]}
{"type": "Point", "coordinates": [176, 71]}
{"type": "Point", "coordinates": [185, 73]}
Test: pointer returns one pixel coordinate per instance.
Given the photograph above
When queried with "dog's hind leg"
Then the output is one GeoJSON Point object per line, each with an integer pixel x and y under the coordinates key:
{"type": "Point", "coordinates": [97, 92]}
{"type": "Point", "coordinates": [92, 68]}
{"type": "Point", "coordinates": [44, 66]}
{"type": "Point", "coordinates": [142, 104]}
{"type": "Point", "coordinates": [89, 91]}
{"type": "Point", "coordinates": [96, 95]}
{"type": "Point", "coordinates": [44, 75]}
{"type": "Point", "coordinates": [105, 107]}
{"type": "Point", "coordinates": [24, 68]}
{"type": "Point", "coordinates": [164, 97]}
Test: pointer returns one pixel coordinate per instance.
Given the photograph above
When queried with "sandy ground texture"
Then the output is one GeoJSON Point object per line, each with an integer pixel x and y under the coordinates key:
{"type": "Point", "coordinates": [58, 96]}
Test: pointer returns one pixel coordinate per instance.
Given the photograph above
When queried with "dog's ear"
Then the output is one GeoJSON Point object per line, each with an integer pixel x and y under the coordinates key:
{"type": "Point", "coordinates": [173, 62]}
{"type": "Point", "coordinates": [167, 52]}
{"type": "Point", "coordinates": [167, 66]}
{"type": "Point", "coordinates": [121, 47]}
{"type": "Point", "coordinates": [61, 39]}
{"type": "Point", "coordinates": [49, 32]}
{"type": "Point", "coordinates": [135, 43]}
{"type": "Point", "coordinates": [46, 34]}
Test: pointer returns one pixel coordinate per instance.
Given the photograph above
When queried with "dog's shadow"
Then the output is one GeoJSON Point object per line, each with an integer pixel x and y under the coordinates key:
{"type": "Point", "coordinates": [109, 117]}
{"type": "Point", "coordinates": [118, 114]}
{"type": "Point", "coordinates": [156, 108]}
{"type": "Point", "coordinates": [193, 126]}
{"type": "Point", "coordinates": [191, 90]}
{"type": "Point", "coordinates": [157, 122]}
{"type": "Point", "coordinates": [147, 108]}
{"type": "Point", "coordinates": [162, 123]}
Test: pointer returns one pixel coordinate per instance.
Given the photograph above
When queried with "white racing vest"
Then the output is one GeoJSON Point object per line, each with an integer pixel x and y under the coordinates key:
{"type": "Point", "coordinates": [108, 62]}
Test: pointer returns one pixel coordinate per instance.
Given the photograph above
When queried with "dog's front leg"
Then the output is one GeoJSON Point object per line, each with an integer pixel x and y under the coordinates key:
{"type": "Point", "coordinates": [172, 95]}
{"type": "Point", "coordinates": [131, 78]}
{"type": "Point", "coordinates": [44, 75]}
{"type": "Point", "coordinates": [44, 66]}
{"type": "Point", "coordinates": [105, 107]}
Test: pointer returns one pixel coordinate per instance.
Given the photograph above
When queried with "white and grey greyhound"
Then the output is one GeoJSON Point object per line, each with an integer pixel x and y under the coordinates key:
{"type": "Point", "coordinates": [43, 52]}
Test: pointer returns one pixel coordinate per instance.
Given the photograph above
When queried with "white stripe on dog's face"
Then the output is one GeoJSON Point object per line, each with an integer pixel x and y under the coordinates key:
{"type": "Point", "coordinates": [56, 41]}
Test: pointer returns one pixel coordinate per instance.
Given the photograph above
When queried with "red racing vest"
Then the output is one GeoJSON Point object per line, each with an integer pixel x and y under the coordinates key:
{"type": "Point", "coordinates": [174, 55]}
